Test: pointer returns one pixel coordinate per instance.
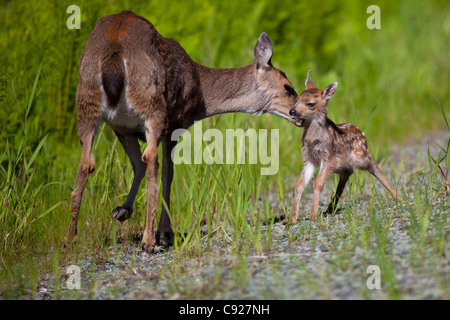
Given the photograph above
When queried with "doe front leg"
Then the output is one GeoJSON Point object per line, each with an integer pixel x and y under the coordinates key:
{"type": "Point", "coordinates": [165, 233]}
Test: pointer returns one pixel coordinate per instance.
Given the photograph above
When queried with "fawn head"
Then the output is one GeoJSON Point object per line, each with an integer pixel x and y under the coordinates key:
{"type": "Point", "coordinates": [312, 102]}
{"type": "Point", "coordinates": [276, 90]}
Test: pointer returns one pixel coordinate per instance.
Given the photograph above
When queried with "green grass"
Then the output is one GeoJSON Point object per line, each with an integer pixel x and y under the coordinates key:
{"type": "Point", "coordinates": [390, 84]}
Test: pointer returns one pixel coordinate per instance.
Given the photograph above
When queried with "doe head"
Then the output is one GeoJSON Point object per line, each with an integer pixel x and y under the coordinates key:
{"type": "Point", "coordinates": [312, 102]}
{"type": "Point", "coordinates": [274, 89]}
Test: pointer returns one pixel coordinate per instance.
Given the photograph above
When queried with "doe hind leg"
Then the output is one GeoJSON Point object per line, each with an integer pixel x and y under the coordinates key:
{"type": "Point", "coordinates": [86, 167]}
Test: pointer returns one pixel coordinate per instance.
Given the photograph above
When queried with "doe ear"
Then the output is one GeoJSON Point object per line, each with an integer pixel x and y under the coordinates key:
{"type": "Point", "coordinates": [329, 91]}
{"type": "Point", "coordinates": [263, 50]}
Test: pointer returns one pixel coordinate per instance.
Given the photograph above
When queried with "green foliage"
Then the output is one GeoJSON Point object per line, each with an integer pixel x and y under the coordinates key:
{"type": "Point", "coordinates": [402, 62]}
{"type": "Point", "coordinates": [394, 70]}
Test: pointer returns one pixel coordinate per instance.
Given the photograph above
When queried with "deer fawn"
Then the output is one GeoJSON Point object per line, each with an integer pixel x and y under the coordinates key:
{"type": "Point", "coordinates": [333, 148]}
{"type": "Point", "coordinates": [146, 86]}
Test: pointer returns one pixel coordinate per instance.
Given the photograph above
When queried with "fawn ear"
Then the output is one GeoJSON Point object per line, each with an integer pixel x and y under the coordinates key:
{"type": "Point", "coordinates": [329, 91]}
{"type": "Point", "coordinates": [309, 84]}
{"type": "Point", "coordinates": [263, 51]}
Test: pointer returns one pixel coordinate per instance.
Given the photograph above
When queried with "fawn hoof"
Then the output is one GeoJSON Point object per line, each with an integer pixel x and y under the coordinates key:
{"type": "Point", "coordinates": [293, 218]}
{"type": "Point", "coordinates": [289, 223]}
{"type": "Point", "coordinates": [121, 213]}
{"type": "Point", "coordinates": [331, 212]}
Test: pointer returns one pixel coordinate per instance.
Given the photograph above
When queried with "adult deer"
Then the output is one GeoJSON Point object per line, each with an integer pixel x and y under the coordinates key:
{"type": "Point", "coordinates": [146, 86]}
{"type": "Point", "coordinates": [333, 148]}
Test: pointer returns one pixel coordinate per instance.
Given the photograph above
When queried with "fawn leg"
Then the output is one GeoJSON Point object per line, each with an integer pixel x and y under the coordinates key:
{"type": "Point", "coordinates": [164, 230]}
{"type": "Point", "coordinates": [86, 167]}
{"type": "Point", "coordinates": [307, 173]}
{"type": "Point", "coordinates": [318, 185]}
{"type": "Point", "coordinates": [373, 169]}
{"type": "Point", "coordinates": [343, 178]}
{"type": "Point", "coordinates": [131, 146]}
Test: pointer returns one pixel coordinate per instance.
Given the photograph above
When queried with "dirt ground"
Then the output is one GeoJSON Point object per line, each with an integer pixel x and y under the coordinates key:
{"type": "Point", "coordinates": [327, 265]}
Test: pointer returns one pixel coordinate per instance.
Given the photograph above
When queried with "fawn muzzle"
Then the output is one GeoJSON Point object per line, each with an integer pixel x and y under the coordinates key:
{"type": "Point", "coordinates": [294, 114]}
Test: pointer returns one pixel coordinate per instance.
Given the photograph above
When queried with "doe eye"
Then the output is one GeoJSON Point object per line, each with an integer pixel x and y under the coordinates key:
{"type": "Point", "coordinates": [289, 90]}
{"type": "Point", "coordinates": [310, 105]}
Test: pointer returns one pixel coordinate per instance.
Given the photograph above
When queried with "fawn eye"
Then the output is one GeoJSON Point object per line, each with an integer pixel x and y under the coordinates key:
{"type": "Point", "coordinates": [289, 90]}
{"type": "Point", "coordinates": [310, 105]}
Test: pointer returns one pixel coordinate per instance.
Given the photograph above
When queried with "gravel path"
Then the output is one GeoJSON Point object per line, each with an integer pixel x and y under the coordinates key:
{"type": "Point", "coordinates": [308, 261]}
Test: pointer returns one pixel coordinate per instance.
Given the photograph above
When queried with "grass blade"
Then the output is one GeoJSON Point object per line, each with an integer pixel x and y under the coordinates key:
{"type": "Point", "coordinates": [52, 208]}
{"type": "Point", "coordinates": [442, 110]}
{"type": "Point", "coordinates": [35, 153]}
{"type": "Point", "coordinates": [33, 90]}
{"type": "Point", "coordinates": [17, 107]}
{"type": "Point", "coordinates": [366, 127]}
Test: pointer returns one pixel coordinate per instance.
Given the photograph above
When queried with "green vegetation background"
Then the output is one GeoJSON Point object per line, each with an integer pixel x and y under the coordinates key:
{"type": "Point", "coordinates": [396, 69]}
{"type": "Point", "coordinates": [400, 64]}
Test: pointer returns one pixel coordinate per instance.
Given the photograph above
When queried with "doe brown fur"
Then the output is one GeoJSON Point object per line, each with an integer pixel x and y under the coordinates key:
{"type": "Point", "coordinates": [146, 86]}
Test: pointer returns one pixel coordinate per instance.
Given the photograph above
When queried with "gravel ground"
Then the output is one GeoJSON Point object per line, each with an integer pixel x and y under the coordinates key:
{"type": "Point", "coordinates": [308, 261]}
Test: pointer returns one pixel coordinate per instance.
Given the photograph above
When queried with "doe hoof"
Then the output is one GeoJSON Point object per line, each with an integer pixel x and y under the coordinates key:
{"type": "Point", "coordinates": [164, 240]}
{"type": "Point", "coordinates": [121, 214]}
{"type": "Point", "coordinates": [148, 243]}
{"type": "Point", "coordinates": [154, 249]}
{"type": "Point", "coordinates": [147, 248]}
